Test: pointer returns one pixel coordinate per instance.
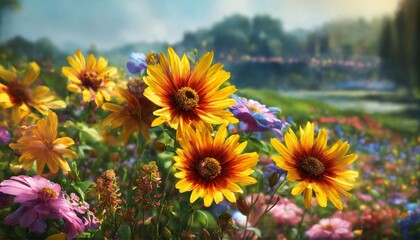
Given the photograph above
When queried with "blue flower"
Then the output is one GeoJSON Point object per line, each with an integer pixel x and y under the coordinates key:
{"type": "Point", "coordinates": [410, 225]}
{"type": "Point", "coordinates": [255, 117]}
{"type": "Point", "coordinates": [137, 63]}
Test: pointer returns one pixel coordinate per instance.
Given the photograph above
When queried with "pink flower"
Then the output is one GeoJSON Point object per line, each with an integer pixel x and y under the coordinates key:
{"type": "Point", "coordinates": [40, 200]}
{"type": "Point", "coordinates": [331, 228]}
{"type": "Point", "coordinates": [286, 212]}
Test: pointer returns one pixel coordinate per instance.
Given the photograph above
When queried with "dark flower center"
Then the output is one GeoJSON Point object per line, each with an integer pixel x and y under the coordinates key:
{"type": "Point", "coordinates": [47, 193]}
{"type": "Point", "coordinates": [19, 93]}
{"type": "Point", "coordinates": [186, 98]}
{"type": "Point", "coordinates": [91, 80]}
{"type": "Point", "coordinates": [312, 167]}
{"type": "Point", "coordinates": [209, 168]}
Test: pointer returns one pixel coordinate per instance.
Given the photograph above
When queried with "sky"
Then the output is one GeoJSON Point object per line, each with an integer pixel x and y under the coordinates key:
{"type": "Point", "coordinates": [112, 23]}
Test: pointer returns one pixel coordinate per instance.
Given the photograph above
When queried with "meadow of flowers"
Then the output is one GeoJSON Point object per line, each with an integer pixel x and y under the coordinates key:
{"type": "Point", "coordinates": [167, 149]}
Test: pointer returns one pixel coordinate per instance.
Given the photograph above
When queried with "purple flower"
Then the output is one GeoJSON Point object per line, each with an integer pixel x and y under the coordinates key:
{"type": "Point", "coordinates": [40, 200]}
{"type": "Point", "coordinates": [255, 117]}
{"type": "Point", "coordinates": [137, 63]}
{"type": "Point", "coordinates": [4, 135]}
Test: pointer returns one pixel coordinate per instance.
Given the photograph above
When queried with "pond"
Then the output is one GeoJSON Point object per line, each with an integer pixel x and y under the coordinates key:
{"type": "Point", "coordinates": [367, 101]}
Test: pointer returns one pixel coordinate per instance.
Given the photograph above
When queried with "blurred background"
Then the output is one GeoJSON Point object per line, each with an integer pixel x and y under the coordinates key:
{"type": "Point", "coordinates": [358, 57]}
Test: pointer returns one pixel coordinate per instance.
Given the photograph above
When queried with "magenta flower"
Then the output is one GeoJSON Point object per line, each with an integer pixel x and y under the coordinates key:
{"type": "Point", "coordinates": [40, 200]}
{"type": "Point", "coordinates": [255, 117]}
{"type": "Point", "coordinates": [82, 210]}
{"type": "Point", "coordinates": [4, 135]}
{"type": "Point", "coordinates": [286, 212]}
{"type": "Point", "coordinates": [330, 228]}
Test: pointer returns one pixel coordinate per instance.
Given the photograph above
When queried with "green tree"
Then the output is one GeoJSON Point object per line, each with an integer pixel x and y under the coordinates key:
{"type": "Point", "coordinates": [400, 47]}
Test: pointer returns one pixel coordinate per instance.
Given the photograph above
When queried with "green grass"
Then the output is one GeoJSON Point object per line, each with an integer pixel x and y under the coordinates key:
{"type": "Point", "coordinates": [303, 110]}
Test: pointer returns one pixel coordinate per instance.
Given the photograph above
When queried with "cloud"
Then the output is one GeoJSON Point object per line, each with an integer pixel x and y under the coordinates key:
{"type": "Point", "coordinates": [109, 23]}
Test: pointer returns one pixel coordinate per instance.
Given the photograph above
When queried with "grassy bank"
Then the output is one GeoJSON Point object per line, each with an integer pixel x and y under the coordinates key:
{"type": "Point", "coordinates": [302, 110]}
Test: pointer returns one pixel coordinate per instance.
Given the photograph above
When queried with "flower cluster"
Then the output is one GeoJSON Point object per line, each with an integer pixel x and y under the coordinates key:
{"type": "Point", "coordinates": [173, 150]}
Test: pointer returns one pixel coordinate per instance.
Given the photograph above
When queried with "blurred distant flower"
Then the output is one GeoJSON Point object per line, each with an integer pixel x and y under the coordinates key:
{"type": "Point", "coordinates": [364, 197]}
{"type": "Point", "coordinates": [17, 94]}
{"type": "Point", "coordinates": [137, 63]}
{"type": "Point", "coordinates": [135, 113]}
{"type": "Point", "coordinates": [39, 201]}
{"type": "Point", "coordinates": [317, 168]}
{"type": "Point", "coordinates": [212, 168]}
{"type": "Point", "coordinates": [4, 135]}
{"type": "Point", "coordinates": [189, 95]}
{"type": "Point", "coordinates": [331, 228]}
{"type": "Point", "coordinates": [286, 212]}
{"type": "Point", "coordinates": [410, 223]}
{"type": "Point", "coordinates": [40, 143]}
{"type": "Point", "coordinates": [255, 117]}
{"type": "Point", "coordinates": [91, 78]}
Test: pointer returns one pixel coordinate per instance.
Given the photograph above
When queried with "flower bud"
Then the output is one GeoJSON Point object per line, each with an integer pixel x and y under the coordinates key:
{"type": "Point", "coordinates": [273, 179]}
{"type": "Point", "coordinates": [159, 146]}
{"type": "Point", "coordinates": [225, 221]}
{"type": "Point", "coordinates": [167, 233]}
{"type": "Point", "coordinates": [243, 206]}
{"type": "Point", "coordinates": [115, 157]}
{"type": "Point", "coordinates": [206, 234]}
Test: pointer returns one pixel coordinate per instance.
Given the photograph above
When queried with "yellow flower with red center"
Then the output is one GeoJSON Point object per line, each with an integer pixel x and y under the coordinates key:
{"type": "Point", "coordinates": [17, 94]}
{"type": "Point", "coordinates": [135, 113]}
{"type": "Point", "coordinates": [92, 79]}
{"type": "Point", "coordinates": [211, 167]}
{"type": "Point", "coordinates": [189, 95]}
{"type": "Point", "coordinates": [317, 168]}
{"type": "Point", "coordinates": [40, 143]}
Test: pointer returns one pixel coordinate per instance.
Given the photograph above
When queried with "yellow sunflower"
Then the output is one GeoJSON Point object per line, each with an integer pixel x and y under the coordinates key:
{"type": "Point", "coordinates": [189, 96]}
{"type": "Point", "coordinates": [213, 167]}
{"type": "Point", "coordinates": [17, 94]}
{"type": "Point", "coordinates": [318, 169]}
{"type": "Point", "coordinates": [135, 113]}
{"type": "Point", "coordinates": [91, 78]}
{"type": "Point", "coordinates": [40, 143]}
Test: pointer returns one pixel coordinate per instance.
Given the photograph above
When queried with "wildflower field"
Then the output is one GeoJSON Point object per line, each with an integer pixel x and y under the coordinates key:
{"type": "Point", "coordinates": [168, 148]}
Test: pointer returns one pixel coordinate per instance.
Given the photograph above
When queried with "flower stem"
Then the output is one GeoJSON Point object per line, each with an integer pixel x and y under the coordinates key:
{"type": "Point", "coordinates": [268, 207]}
{"type": "Point", "coordinates": [300, 224]}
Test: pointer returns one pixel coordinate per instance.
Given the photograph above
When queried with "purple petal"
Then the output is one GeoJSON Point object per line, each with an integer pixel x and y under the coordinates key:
{"type": "Point", "coordinates": [38, 226]}
{"type": "Point", "coordinates": [27, 218]}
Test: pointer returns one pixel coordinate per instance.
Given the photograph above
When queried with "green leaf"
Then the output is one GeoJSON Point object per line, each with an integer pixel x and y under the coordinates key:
{"type": "Point", "coordinates": [124, 232]}
{"type": "Point", "coordinates": [78, 190]}
{"type": "Point", "coordinates": [202, 217]}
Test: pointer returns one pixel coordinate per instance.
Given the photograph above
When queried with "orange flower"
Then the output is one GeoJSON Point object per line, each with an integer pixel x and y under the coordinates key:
{"type": "Point", "coordinates": [212, 167]}
{"type": "Point", "coordinates": [135, 113]}
{"type": "Point", "coordinates": [17, 95]}
{"type": "Point", "coordinates": [317, 168]}
{"type": "Point", "coordinates": [40, 143]}
{"type": "Point", "coordinates": [92, 79]}
{"type": "Point", "coordinates": [189, 96]}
